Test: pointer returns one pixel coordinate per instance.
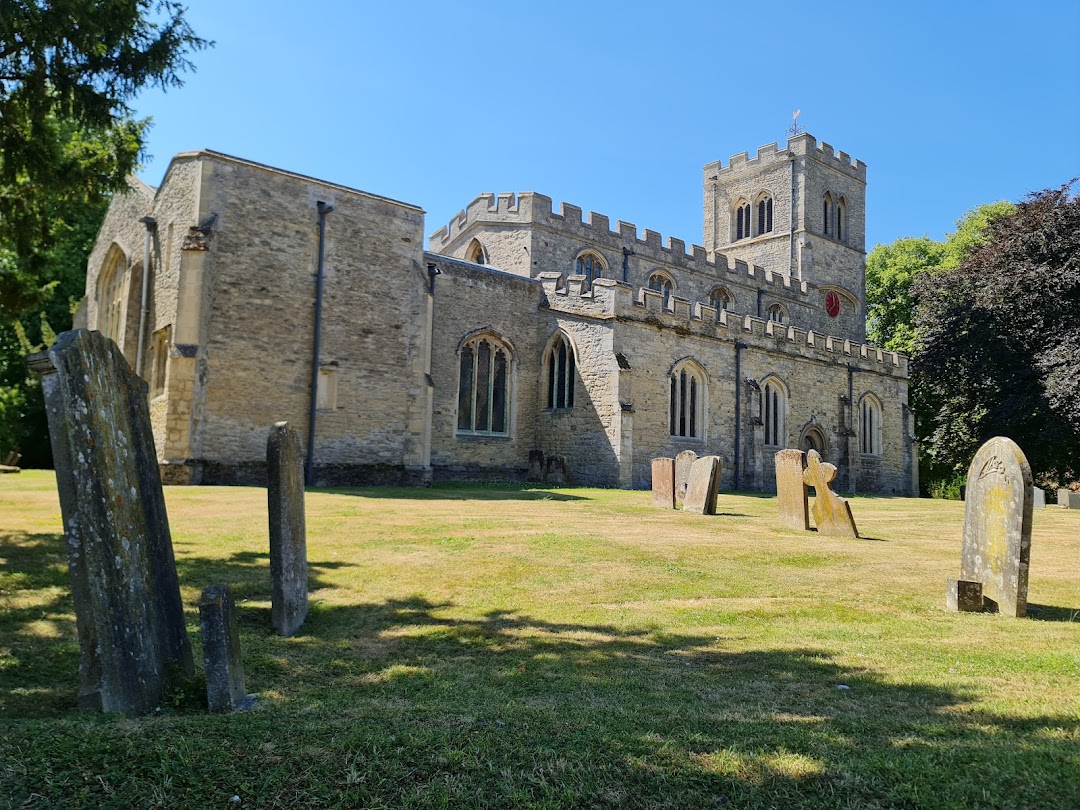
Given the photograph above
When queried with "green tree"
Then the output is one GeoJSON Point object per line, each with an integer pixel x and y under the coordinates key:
{"type": "Point", "coordinates": [890, 273]}
{"type": "Point", "coordinates": [998, 348]}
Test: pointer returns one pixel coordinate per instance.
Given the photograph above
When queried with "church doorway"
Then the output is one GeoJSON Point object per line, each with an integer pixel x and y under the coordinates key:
{"type": "Point", "coordinates": [813, 439]}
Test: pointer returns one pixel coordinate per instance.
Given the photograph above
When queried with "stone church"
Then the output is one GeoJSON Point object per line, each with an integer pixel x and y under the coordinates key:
{"type": "Point", "coordinates": [526, 341]}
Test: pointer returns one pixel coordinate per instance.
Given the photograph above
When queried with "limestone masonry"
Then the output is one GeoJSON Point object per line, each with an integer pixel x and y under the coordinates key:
{"type": "Point", "coordinates": [524, 332]}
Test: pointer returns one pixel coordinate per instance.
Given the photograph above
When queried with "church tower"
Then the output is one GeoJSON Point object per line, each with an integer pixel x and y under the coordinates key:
{"type": "Point", "coordinates": [800, 211]}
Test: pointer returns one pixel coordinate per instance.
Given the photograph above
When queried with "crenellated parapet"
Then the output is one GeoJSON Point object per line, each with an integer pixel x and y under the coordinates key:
{"type": "Point", "coordinates": [799, 145]}
{"type": "Point", "coordinates": [612, 300]}
{"type": "Point", "coordinates": [532, 209]}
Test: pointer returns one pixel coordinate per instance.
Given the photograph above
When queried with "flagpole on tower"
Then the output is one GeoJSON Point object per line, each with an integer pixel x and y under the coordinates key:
{"type": "Point", "coordinates": [794, 129]}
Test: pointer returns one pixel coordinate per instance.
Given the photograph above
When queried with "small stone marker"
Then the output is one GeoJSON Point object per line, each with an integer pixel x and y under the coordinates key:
{"type": "Point", "coordinates": [221, 651]}
{"type": "Point", "coordinates": [997, 525]}
{"type": "Point", "coordinates": [1067, 499]}
{"type": "Point", "coordinates": [536, 466]}
{"type": "Point", "coordinates": [1038, 498]}
{"type": "Point", "coordinates": [832, 514]}
{"type": "Point", "coordinates": [703, 485]}
{"type": "Point", "coordinates": [288, 534]}
{"type": "Point", "coordinates": [683, 462]}
{"type": "Point", "coordinates": [791, 490]}
{"type": "Point", "coordinates": [663, 482]}
{"type": "Point", "coordinates": [964, 595]}
{"type": "Point", "coordinates": [128, 613]}
{"type": "Point", "coordinates": [555, 470]}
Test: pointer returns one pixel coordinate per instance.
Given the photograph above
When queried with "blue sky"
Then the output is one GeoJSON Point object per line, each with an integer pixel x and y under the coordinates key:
{"type": "Point", "coordinates": [616, 107]}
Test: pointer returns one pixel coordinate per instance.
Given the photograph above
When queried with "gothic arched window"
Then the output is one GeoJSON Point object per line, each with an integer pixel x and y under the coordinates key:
{"type": "Point", "coordinates": [687, 404]}
{"type": "Point", "coordinates": [826, 211]}
{"type": "Point", "coordinates": [476, 253]}
{"type": "Point", "coordinates": [870, 426]}
{"type": "Point", "coordinates": [742, 220]}
{"type": "Point", "coordinates": [662, 284]}
{"type": "Point", "coordinates": [484, 387]}
{"type": "Point", "coordinates": [591, 266]}
{"type": "Point", "coordinates": [721, 300]}
{"type": "Point", "coordinates": [559, 364]}
{"type": "Point", "coordinates": [764, 215]}
{"type": "Point", "coordinates": [110, 294]}
{"type": "Point", "coordinates": [773, 411]}
{"type": "Point", "coordinates": [841, 219]}
{"type": "Point", "coordinates": [777, 314]}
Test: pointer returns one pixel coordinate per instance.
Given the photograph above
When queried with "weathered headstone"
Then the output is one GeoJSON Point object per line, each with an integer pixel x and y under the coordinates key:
{"type": "Point", "coordinates": [1038, 498]}
{"type": "Point", "coordinates": [791, 490]}
{"type": "Point", "coordinates": [288, 534]}
{"type": "Point", "coordinates": [703, 486]}
{"type": "Point", "coordinates": [128, 613]}
{"type": "Point", "coordinates": [997, 525]}
{"type": "Point", "coordinates": [555, 470]}
{"type": "Point", "coordinates": [536, 466]}
{"type": "Point", "coordinates": [832, 514]}
{"type": "Point", "coordinates": [683, 462]}
{"type": "Point", "coordinates": [964, 595]}
{"type": "Point", "coordinates": [221, 651]}
{"type": "Point", "coordinates": [1067, 499]}
{"type": "Point", "coordinates": [663, 482]}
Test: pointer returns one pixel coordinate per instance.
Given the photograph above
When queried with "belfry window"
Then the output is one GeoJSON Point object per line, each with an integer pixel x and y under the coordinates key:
{"type": "Point", "coordinates": [476, 253]}
{"type": "Point", "coordinates": [742, 220]}
{"type": "Point", "coordinates": [841, 219]}
{"type": "Point", "coordinates": [687, 405]}
{"type": "Point", "coordinates": [662, 284]}
{"type": "Point", "coordinates": [870, 427]}
{"type": "Point", "coordinates": [826, 210]}
{"type": "Point", "coordinates": [773, 408]}
{"type": "Point", "coordinates": [484, 387]}
{"type": "Point", "coordinates": [591, 266]}
{"type": "Point", "coordinates": [560, 374]}
{"type": "Point", "coordinates": [764, 215]}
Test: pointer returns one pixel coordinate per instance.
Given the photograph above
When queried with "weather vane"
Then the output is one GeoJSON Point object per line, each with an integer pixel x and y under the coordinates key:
{"type": "Point", "coordinates": [794, 128]}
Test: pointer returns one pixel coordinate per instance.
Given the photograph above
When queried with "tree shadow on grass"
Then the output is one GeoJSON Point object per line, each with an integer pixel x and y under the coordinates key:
{"type": "Point", "coordinates": [459, 492]}
{"type": "Point", "coordinates": [1053, 613]}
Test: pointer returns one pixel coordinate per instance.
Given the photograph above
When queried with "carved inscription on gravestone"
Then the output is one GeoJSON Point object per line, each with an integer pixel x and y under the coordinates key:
{"type": "Point", "coordinates": [128, 613]}
{"type": "Point", "coordinates": [683, 462]}
{"type": "Point", "coordinates": [288, 532]}
{"type": "Point", "coordinates": [663, 482]}
{"type": "Point", "coordinates": [791, 490]}
{"type": "Point", "coordinates": [702, 486]}
{"type": "Point", "coordinates": [832, 514]}
{"type": "Point", "coordinates": [997, 525]}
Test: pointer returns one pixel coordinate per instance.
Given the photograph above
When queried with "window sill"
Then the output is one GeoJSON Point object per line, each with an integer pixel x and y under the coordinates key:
{"type": "Point", "coordinates": [501, 437]}
{"type": "Point", "coordinates": [687, 440]}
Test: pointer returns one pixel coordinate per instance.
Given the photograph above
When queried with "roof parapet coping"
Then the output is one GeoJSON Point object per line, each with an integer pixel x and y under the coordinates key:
{"type": "Point", "coordinates": [798, 145]}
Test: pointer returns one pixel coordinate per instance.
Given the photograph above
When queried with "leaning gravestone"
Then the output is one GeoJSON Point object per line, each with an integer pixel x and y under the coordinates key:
{"type": "Point", "coordinates": [997, 526]}
{"type": "Point", "coordinates": [663, 482]}
{"type": "Point", "coordinates": [288, 535]}
{"type": "Point", "coordinates": [555, 470]}
{"type": "Point", "coordinates": [832, 514]}
{"type": "Point", "coordinates": [128, 613]}
{"type": "Point", "coordinates": [791, 490]}
{"type": "Point", "coordinates": [683, 462]}
{"type": "Point", "coordinates": [703, 486]}
{"type": "Point", "coordinates": [221, 651]}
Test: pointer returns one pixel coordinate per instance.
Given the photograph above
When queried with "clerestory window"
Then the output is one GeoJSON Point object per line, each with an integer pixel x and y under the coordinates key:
{"type": "Point", "coordinates": [662, 284]}
{"type": "Point", "coordinates": [777, 314]}
{"type": "Point", "coordinates": [591, 266]}
{"type": "Point", "coordinates": [484, 387]}
{"type": "Point", "coordinates": [721, 300]}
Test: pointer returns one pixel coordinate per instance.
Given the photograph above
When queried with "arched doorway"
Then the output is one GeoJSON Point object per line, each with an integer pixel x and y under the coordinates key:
{"type": "Point", "coordinates": [813, 439]}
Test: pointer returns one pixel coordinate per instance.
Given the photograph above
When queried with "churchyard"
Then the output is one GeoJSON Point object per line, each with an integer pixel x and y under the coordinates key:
{"type": "Point", "coordinates": [513, 646]}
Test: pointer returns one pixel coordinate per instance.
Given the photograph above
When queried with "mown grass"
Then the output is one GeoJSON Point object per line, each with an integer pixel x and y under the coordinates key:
{"type": "Point", "coordinates": [504, 646]}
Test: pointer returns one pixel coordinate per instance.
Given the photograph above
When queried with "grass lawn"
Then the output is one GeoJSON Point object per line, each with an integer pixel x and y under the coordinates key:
{"type": "Point", "coordinates": [478, 646]}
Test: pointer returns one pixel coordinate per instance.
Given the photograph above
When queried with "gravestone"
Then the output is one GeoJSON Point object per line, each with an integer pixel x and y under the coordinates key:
{"type": "Point", "coordinates": [288, 534]}
{"type": "Point", "coordinates": [1067, 499]}
{"type": "Point", "coordinates": [128, 613]}
{"type": "Point", "coordinates": [663, 482]}
{"type": "Point", "coordinates": [536, 466]}
{"type": "Point", "coordinates": [964, 595]}
{"type": "Point", "coordinates": [555, 470]}
{"type": "Point", "coordinates": [1038, 498]}
{"type": "Point", "coordinates": [703, 486]}
{"type": "Point", "coordinates": [832, 514]}
{"type": "Point", "coordinates": [997, 525]}
{"type": "Point", "coordinates": [683, 462]}
{"type": "Point", "coordinates": [221, 651]}
{"type": "Point", "coordinates": [792, 498]}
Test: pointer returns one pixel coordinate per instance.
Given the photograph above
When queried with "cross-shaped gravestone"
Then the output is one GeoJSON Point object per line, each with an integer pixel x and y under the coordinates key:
{"type": "Point", "coordinates": [832, 514]}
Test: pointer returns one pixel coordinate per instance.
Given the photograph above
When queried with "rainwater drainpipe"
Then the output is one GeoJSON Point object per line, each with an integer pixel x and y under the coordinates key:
{"type": "Point", "coordinates": [150, 224]}
{"type": "Point", "coordinates": [626, 254]}
{"type": "Point", "coordinates": [309, 464]}
{"type": "Point", "coordinates": [738, 411]}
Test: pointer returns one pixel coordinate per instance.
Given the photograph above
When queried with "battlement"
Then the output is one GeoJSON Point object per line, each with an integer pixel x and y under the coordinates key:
{"type": "Point", "coordinates": [800, 145]}
{"type": "Point", "coordinates": [530, 208]}
{"type": "Point", "coordinates": [613, 300]}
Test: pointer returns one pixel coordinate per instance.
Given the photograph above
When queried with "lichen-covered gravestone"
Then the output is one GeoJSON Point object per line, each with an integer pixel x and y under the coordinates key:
{"type": "Point", "coordinates": [663, 483]}
{"type": "Point", "coordinates": [683, 462]}
{"type": "Point", "coordinates": [832, 514]}
{"type": "Point", "coordinates": [221, 651]}
{"type": "Point", "coordinates": [997, 525]}
{"type": "Point", "coordinates": [288, 534]}
{"type": "Point", "coordinates": [703, 486]}
{"type": "Point", "coordinates": [791, 490]}
{"type": "Point", "coordinates": [125, 591]}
